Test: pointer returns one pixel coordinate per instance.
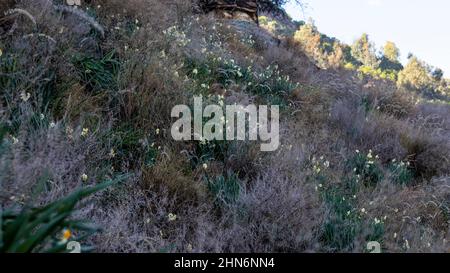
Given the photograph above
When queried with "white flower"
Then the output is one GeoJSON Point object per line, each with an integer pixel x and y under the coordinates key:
{"type": "Point", "coordinates": [112, 153]}
{"type": "Point", "coordinates": [195, 71]}
{"type": "Point", "coordinates": [25, 96]}
{"type": "Point", "coordinates": [157, 131]}
{"type": "Point", "coordinates": [52, 124]}
{"type": "Point", "coordinates": [84, 177]}
{"type": "Point", "coordinates": [407, 244]}
{"type": "Point", "coordinates": [172, 217]}
{"type": "Point", "coordinates": [69, 130]}
{"type": "Point", "coordinates": [85, 132]}
{"type": "Point", "coordinates": [14, 140]}
{"type": "Point", "coordinates": [205, 166]}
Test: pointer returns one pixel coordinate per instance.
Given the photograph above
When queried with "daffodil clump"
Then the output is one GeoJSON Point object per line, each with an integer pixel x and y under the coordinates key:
{"type": "Point", "coordinates": [366, 167]}
{"type": "Point", "coordinates": [270, 83]}
{"type": "Point", "coordinates": [320, 168]}
{"type": "Point", "coordinates": [98, 73]}
{"type": "Point", "coordinates": [347, 218]}
{"type": "Point", "coordinates": [225, 189]}
{"type": "Point", "coordinates": [175, 34]}
{"type": "Point", "coordinates": [131, 146]}
{"type": "Point", "coordinates": [207, 151]}
{"type": "Point", "coordinates": [401, 172]}
{"type": "Point", "coordinates": [377, 228]}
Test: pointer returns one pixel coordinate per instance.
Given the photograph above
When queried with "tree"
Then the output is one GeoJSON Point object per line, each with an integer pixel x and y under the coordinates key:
{"type": "Point", "coordinates": [309, 39]}
{"type": "Point", "coordinates": [425, 79]}
{"type": "Point", "coordinates": [438, 74]}
{"type": "Point", "coordinates": [337, 58]}
{"type": "Point", "coordinates": [415, 75]}
{"type": "Point", "coordinates": [390, 58]}
{"type": "Point", "coordinates": [364, 51]}
{"type": "Point", "coordinates": [325, 51]}
{"type": "Point", "coordinates": [391, 52]}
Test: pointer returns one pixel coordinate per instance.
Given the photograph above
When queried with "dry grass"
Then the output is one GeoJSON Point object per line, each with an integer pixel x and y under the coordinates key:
{"type": "Point", "coordinates": [281, 204]}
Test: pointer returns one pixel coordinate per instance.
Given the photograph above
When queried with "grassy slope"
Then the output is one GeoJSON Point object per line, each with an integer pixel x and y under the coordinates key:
{"type": "Point", "coordinates": [360, 160]}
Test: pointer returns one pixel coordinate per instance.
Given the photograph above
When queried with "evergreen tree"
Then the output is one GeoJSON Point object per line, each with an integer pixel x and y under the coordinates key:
{"type": "Point", "coordinates": [415, 75]}
{"type": "Point", "coordinates": [390, 58]}
{"type": "Point", "coordinates": [364, 51]}
{"type": "Point", "coordinates": [391, 52]}
{"type": "Point", "coordinates": [438, 74]}
{"type": "Point", "coordinates": [325, 51]}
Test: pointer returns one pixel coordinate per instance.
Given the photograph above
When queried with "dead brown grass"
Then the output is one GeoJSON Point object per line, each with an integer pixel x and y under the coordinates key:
{"type": "Point", "coordinates": [278, 208]}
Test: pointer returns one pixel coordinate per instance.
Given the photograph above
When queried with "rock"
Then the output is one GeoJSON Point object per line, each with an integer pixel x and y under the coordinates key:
{"type": "Point", "coordinates": [232, 8]}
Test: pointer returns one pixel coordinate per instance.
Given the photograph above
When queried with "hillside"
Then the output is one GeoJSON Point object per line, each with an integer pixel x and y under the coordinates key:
{"type": "Point", "coordinates": [87, 94]}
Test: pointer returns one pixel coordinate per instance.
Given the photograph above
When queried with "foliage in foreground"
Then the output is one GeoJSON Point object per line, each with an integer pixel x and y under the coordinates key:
{"type": "Point", "coordinates": [48, 228]}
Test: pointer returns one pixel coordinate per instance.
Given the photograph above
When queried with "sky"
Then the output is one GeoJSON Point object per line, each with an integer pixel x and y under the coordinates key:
{"type": "Point", "coordinates": [416, 26]}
